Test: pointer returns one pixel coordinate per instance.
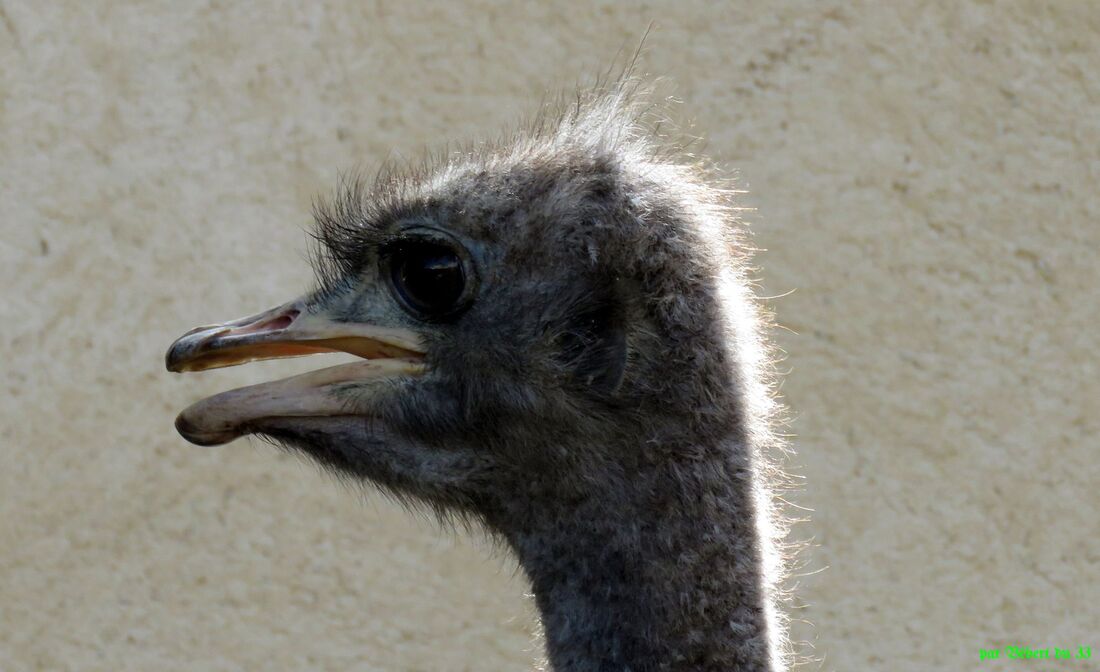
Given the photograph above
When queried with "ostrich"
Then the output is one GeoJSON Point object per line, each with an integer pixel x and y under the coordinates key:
{"type": "Point", "coordinates": [558, 340]}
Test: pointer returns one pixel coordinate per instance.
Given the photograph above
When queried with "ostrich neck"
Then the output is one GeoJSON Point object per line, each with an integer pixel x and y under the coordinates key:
{"type": "Point", "coordinates": [664, 577]}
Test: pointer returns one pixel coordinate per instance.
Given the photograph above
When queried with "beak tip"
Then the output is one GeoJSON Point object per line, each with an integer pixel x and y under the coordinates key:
{"type": "Point", "coordinates": [179, 352]}
{"type": "Point", "coordinates": [193, 434]}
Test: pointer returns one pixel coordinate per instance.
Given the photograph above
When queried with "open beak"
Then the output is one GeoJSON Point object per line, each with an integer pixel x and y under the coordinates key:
{"type": "Point", "coordinates": [286, 331]}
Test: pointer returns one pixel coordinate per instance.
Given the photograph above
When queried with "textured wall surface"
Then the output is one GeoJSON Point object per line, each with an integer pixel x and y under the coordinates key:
{"type": "Point", "coordinates": [925, 180]}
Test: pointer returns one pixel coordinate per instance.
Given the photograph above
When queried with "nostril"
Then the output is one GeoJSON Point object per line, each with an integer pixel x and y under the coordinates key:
{"type": "Point", "coordinates": [281, 322]}
{"type": "Point", "coordinates": [276, 324]}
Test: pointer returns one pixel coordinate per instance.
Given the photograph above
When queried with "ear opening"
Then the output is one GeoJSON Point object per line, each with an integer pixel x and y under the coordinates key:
{"type": "Point", "coordinates": [594, 345]}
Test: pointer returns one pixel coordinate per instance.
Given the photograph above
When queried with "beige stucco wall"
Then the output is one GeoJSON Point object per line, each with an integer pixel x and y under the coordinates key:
{"type": "Point", "coordinates": [924, 178]}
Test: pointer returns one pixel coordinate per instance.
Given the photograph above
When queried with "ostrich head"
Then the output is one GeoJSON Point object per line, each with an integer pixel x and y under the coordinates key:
{"type": "Point", "coordinates": [557, 341]}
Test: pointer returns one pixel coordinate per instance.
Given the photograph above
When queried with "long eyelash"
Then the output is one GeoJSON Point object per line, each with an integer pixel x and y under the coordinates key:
{"type": "Point", "coordinates": [354, 222]}
{"type": "Point", "coordinates": [340, 225]}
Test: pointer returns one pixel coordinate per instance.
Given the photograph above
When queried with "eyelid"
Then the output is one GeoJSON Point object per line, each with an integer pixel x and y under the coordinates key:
{"type": "Point", "coordinates": [417, 233]}
{"type": "Point", "coordinates": [423, 232]}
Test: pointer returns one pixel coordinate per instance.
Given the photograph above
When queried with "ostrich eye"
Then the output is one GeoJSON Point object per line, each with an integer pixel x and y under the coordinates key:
{"type": "Point", "coordinates": [428, 277]}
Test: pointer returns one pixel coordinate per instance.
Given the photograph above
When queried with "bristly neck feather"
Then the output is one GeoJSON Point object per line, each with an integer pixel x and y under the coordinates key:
{"type": "Point", "coordinates": [667, 578]}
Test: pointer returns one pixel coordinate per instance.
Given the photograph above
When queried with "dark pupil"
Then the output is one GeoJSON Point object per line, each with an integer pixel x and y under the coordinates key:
{"type": "Point", "coordinates": [429, 277]}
